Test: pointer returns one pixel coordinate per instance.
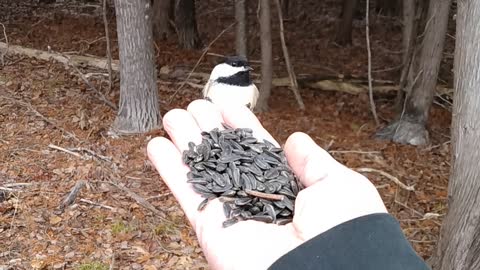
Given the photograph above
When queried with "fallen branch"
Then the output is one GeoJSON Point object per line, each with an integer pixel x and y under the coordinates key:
{"type": "Point", "coordinates": [77, 60]}
{"type": "Point", "coordinates": [98, 204]}
{"type": "Point", "coordinates": [65, 150]}
{"type": "Point", "coordinates": [139, 199]}
{"type": "Point", "coordinates": [90, 85]}
{"type": "Point", "coordinates": [388, 176]}
{"type": "Point", "coordinates": [291, 73]}
{"type": "Point", "coordinates": [71, 196]}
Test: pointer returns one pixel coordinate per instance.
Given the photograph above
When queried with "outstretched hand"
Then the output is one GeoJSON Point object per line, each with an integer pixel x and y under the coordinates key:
{"type": "Point", "coordinates": [333, 193]}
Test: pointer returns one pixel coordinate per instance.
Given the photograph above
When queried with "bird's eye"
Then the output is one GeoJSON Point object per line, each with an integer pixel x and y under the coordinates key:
{"type": "Point", "coordinates": [234, 64]}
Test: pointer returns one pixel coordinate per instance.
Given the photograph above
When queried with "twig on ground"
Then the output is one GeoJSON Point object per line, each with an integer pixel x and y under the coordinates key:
{"type": "Point", "coordinates": [159, 196]}
{"type": "Point", "coordinates": [139, 199]}
{"type": "Point", "coordinates": [388, 176]}
{"type": "Point", "coordinates": [291, 73]}
{"type": "Point", "coordinates": [382, 186]}
{"type": "Point", "coordinates": [65, 150]}
{"type": "Point", "coordinates": [109, 53]}
{"type": "Point", "coordinates": [112, 263]}
{"type": "Point", "coordinates": [198, 62]}
{"type": "Point", "coordinates": [369, 52]}
{"type": "Point", "coordinates": [98, 204]}
{"type": "Point", "coordinates": [71, 196]}
{"type": "Point", "coordinates": [2, 54]}
{"type": "Point", "coordinates": [90, 85]}
{"type": "Point", "coordinates": [51, 122]}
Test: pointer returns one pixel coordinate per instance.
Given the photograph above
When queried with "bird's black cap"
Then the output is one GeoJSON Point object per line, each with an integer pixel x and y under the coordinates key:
{"type": "Point", "coordinates": [237, 61]}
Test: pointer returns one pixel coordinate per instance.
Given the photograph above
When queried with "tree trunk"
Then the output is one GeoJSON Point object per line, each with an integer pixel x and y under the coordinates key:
{"type": "Point", "coordinates": [186, 24]}
{"type": "Point", "coordinates": [408, 41]}
{"type": "Point", "coordinates": [459, 243]}
{"type": "Point", "coordinates": [389, 7]}
{"type": "Point", "coordinates": [410, 126]}
{"type": "Point", "coordinates": [162, 15]}
{"type": "Point", "coordinates": [285, 8]}
{"type": "Point", "coordinates": [266, 50]}
{"type": "Point", "coordinates": [344, 33]}
{"type": "Point", "coordinates": [139, 108]}
{"type": "Point", "coordinates": [241, 35]}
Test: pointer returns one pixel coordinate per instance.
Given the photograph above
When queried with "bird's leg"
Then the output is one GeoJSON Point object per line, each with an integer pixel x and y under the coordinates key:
{"type": "Point", "coordinates": [209, 99]}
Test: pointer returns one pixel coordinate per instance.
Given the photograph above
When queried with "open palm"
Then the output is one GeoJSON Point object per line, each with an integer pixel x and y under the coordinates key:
{"type": "Point", "coordinates": [333, 194]}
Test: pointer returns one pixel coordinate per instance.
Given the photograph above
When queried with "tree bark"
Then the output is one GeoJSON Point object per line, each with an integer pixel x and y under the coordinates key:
{"type": "Point", "coordinates": [162, 15]}
{"type": "Point", "coordinates": [344, 33]}
{"type": "Point", "coordinates": [410, 126]}
{"type": "Point", "coordinates": [408, 41]}
{"type": "Point", "coordinates": [241, 28]}
{"type": "Point", "coordinates": [459, 243]}
{"type": "Point", "coordinates": [389, 7]}
{"type": "Point", "coordinates": [139, 108]}
{"type": "Point", "coordinates": [266, 51]}
{"type": "Point", "coordinates": [186, 24]}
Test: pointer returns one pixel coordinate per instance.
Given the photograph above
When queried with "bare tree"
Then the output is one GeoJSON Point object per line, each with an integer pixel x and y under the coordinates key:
{"type": "Point", "coordinates": [186, 24]}
{"type": "Point", "coordinates": [162, 17]}
{"type": "Point", "coordinates": [459, 244]}
{"type": "Point", "coordinates": [266, 50]}
{"type": "Point", "coordinates": [344, 33]}
{"type": "Point", "coordinates": [139, 108]}
{"type": "Point", "coordinates": [241, 35]}
{"type": "Point", "coordinates": [409, 127]}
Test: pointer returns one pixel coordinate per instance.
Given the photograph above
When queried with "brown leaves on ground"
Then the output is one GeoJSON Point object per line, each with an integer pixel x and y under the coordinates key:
{"type": "Point", "coordinates": [104, 225]}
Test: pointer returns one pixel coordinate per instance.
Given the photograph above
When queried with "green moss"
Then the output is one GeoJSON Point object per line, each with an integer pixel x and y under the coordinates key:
{"type": "Point", "coordinates": [120, 227]}
{"type": "Point", "coordinates": [92, 266]}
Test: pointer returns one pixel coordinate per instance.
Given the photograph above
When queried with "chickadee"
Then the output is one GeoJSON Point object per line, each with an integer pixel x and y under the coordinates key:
{"type": "Point", "coordinates": [230, 84]}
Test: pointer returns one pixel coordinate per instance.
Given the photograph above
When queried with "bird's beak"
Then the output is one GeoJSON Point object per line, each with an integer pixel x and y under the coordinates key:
{"type": "Point", "coordinates": [248, 68]}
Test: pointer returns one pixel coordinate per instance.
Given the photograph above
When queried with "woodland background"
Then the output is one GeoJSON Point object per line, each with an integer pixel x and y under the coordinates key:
{"type": "Point", "coordinates": [56, 118]}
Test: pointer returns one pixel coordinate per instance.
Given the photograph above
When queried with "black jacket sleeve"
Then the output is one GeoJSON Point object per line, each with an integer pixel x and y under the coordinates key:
{"type": "Point", "coordinates": [370, 242]}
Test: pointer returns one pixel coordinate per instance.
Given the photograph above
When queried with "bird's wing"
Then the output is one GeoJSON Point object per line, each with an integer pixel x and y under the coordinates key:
{"type": "Point", "coordinates": [206, 89]}
{"type": "Point", "coordinates": [254, 97]}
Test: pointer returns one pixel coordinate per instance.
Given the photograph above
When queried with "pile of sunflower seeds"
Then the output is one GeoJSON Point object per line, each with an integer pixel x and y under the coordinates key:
{"type": "Point", "coordinates": [252, 178]}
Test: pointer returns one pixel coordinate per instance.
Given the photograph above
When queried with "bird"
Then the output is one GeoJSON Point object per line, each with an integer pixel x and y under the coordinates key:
{"type": "Point", "coordinates": [230, 83]}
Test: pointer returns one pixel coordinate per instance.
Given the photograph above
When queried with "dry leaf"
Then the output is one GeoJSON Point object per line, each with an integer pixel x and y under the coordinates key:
{"type": "Point", "coordinates": [55, 220]}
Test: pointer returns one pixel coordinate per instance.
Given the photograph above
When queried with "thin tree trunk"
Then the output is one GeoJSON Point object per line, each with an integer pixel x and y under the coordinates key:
{"type": "Point", "coordinates": [389, 7]}
{"type": "Point", "coordinates": [266, 50]}
{"type": "Point", "coordinates": [410, 126]}
{"type": "Point", "coordinates": [408, 40]}
{"type": "Point", "coordinates": [139, 108]}
{"type": "Point", "coordinates": [241, 35]}
{"type": "Point", "coordinates": [186, 24]}
{"type": "Point", "coordinates": [459, 244]}
{"type": "Point", "coordinates": [285, 8]}
{"type": "Point", "coordinates": [344, 33]}
{"type": "Point", "coordinates": [162, 15]}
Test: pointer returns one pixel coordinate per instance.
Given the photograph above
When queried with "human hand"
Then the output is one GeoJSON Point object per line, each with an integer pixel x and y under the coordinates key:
{"type": "Point", "coordinates": [333, 193]}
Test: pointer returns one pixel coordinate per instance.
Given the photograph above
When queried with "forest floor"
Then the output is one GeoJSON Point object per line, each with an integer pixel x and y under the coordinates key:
{"type": "Point", "coordinates": [44, 104]}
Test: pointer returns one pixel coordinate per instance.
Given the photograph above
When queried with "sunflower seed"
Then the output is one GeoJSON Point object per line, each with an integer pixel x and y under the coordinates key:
{"type": "Point", "coordinates": [202, 205]}
{"type": "Point", "coordinates": [263, 218]}
{"type": "Point", "coordinates": [230, 164]}
{"type": "Point", "coordinates": [229, 222]}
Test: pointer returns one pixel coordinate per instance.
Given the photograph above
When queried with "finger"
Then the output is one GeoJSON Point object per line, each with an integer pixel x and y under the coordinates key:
{"type": "Point", "coordinates": [308, 160]}
{"type": "Point", "coordinates": [242, 117]}
{"type": "Point", "coordinates": [168, 161]}
{"type": "Point", "coordinates": [206, 114]}
{"type": "Point", "coordinates": [182, 128]}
